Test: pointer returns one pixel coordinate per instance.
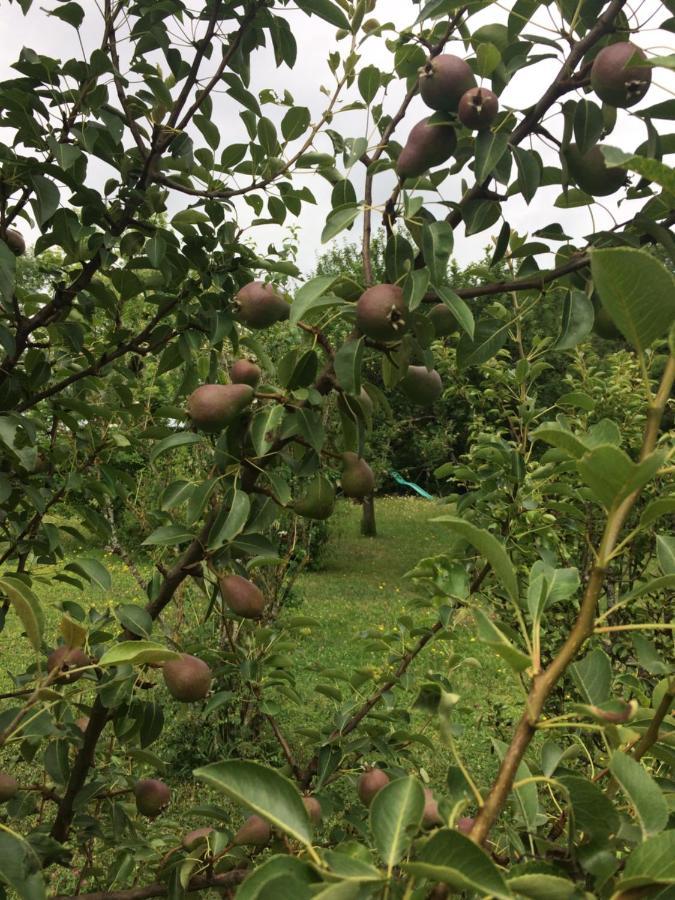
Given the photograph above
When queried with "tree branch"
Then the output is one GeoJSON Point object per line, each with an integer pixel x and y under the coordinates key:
{"type": "Point", "coordinates": [158, 889]}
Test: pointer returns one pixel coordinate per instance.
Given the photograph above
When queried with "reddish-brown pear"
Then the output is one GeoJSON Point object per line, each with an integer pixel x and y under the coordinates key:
{"type": "Point", "coordinates": [421, 385]}
{"type": "Point", "coordinates": [14, 240]}
{"type": "Point", "coordinates": [8, 787]}
{"type": "Point", "coordinates": [614, 81]}
{"type": "Point", "coordinates": [357, 479]}
{"type": "Point", "coordinates": [444, 80]}
{"type": "Point", "coordinates": [243, 371]}
{"type": "Point", "coordinates": [242, 596]}
{"type": "Point", "coordinates": [381, 313]}
{"type": "Point", "coordinates": [188, 679]}
{"type": "Point", "coordinates": [258, 306]}
{"type": "Point", "coordinates": [152, 797]}
{"type": "Point", "coordinates": [370, 783]}
{"type": "Point", "coordinates": [478, 108]}
{"type": "Point", "coordinates": [213, 407]}
{"type": "Point", "coordinates": [65, 659]}
{"type": "Point", "coordinates": [429, 144]}
{"type": "Point", "coordinates": [255, 832]}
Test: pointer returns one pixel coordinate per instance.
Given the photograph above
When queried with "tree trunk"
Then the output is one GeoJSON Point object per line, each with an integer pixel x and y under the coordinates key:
{"type": "Point", "coordinates": [368, 526]}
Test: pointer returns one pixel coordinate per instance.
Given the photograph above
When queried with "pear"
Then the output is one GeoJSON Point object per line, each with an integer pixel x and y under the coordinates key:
{"type": "Point", "coordinates": [197, 838]}
{"type": "Point", "coordinates": [429, 144]}
{"type": "Point", "coordinates": [444, 80]}
{"type": "Point", "coordinates": [430, 817]}
{"type": "Point", "coordinates": [258, 306]}
{"type": "Point", "coordinates": [66, 658]}
{"type": "Point", "coordinates": [591, 173]}
{"type": "Point", "coordinates": [357, 478]}
{"type": "Point", "coordinates": [8, 787]}
{"type": "Point", "coordinates": [242, 596]}
{"type": "Point", "coordinates": [443, 320]}
{"type": "Point", "coordinates": [152, 797]}
{"type": "Point", "coordinates": [421, 385]}
{"type": "Point", "coordinates": [381, 313]}
{"type": "Point", "coordinates": [313, 808]}
{"type": "Point", "coordinates": [14, 240]}
{"type": "Point", "coordinates": [244, 371]}
{"type": "Point", "coordinates": [465, 824]}
{"type": "Point", "coordinates": [318, 502]}
{"type": "Point", "coordinates": [617, 83]}
{"type": "Point", "coordinates": [188, 679]}
{"type": "Point", "coordinates": [213, 407]}
{"type": "Point", "coordinates": [82, 723]}
{"type": "Point", "coordinates": [255, 832]}
{"type": "Point", "coordinates": [478, 108]}
{"type": "Point", "coordinates": [370, 783]}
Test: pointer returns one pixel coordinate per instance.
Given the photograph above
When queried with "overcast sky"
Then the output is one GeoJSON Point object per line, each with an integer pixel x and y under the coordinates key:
{"type": "Point", "coordinates": [316, 39]}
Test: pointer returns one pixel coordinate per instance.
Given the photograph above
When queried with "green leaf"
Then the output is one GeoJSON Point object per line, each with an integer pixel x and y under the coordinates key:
{"type": "Point", "coordinates": [91, 569]}
{"type": "Point", "coordinates": [326, 10]}
{"type": "Point", "coordinates": [643, 792]}
{"type": "Point", "coordinates": [560, 437]}
{"type": "Point", "coordinates": [578, 400]}
{"type": "Point", "coordinates": [347, 364]}
{"type": "Point", "coordinates": [588, 125]}
{"type": "Point", "coordinates": [263, 791]}
{"type": "Point", "coordinates": [168, 536]}
{"type": "Point", "coordinates": [437, 243]}
{"type": "Point", "coordinates": [46, 200]}
{"type": "Point", "coordinates": [593, 676]}
{"type": "Point", "coordinates": [72, 13]}
{"type": "Point", "coordinates": [489, 547]}
{"type": "Point", "coordinates": [662, 506]}
{"type": "Point", "coordinates": [338, 219]}
{"type": "Point", "coordinates": [136, 653]}
{"type": "Point", "coordinates": [490, 147]}
{"type": "Point", "coordinates": [530, 171]}
{"type": "Point", "coordinates": [594, 812]}
{"type": "Point", "coordinates": [20, 867]}
{"type": "Point", "coordinates": [527, 797]}
{"type": "Point", "coordinates": [665, 553]}
{"type": "Point", "coordinates": [494, 637]}
{"type": "Point", "coordinates": [415, 287]}
{"type": "Point", "coordinates": [458, 308]}
{"type": "Point", "coordinates": [548, 586]}
{"type": "Point", "coordinates": [180, 439]}
{"type": "Point", "coordinates": [27, 607]}
{"type": "Point", "coordinates": [295, 123]}
{"type": "Point", "coordinates": [648, 656]}
{"type": "Point", "coordinates": [488, 58]}
{"type": "Point", "coordinates": [271, 870]}
{"type": "Point", "coordinates": [189, 217]}
{"type": "Point", "coordinates": [577, 320]}
{"type": "Point", "coordinates": [307, 296]}
{"type": "Point", "coordinates": [452, 858]}
{"type": "Point", "coordinates": [7, 272]}
{"type": "Point", "coordinates": [648, 167]}
{"type": "Point", "coordinates": [540, 886]}
{"type": "Point", "coordinates": [395, 818]}
{"type": "Point", "coordinates": [653, 862]}
{"type": "Point", "coordinates": [232, 522]}
{"type": "Point", "coordinates": [370, 79]}
{"type": "Point", "coordinates": [605, 470]}
{"type": "Point", "coordinates": [637, 290]}
{"type": "Point", "coordinates": [489, 338]}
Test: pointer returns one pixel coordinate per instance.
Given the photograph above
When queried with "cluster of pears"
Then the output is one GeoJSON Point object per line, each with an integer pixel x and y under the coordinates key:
{"type": "Point", "coordinates": [621, 85]}
{"type": "Point", "coordinates": [448, 87]}
{"type": "Point", "coordinates": [382, 316]}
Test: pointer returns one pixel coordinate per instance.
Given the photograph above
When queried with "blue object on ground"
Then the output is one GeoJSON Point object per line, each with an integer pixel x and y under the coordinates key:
{"type": "Point", "coordinates": [399, 479]}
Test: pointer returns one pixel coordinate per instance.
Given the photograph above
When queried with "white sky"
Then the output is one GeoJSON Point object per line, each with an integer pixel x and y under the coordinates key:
{"type": "Point", "coordinates": [316, 39]}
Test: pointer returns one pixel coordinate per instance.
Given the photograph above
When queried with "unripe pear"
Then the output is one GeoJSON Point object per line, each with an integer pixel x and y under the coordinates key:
{"type": "Point", "coordinates": [444, 80]}
{"type": "Point", "coordinates": [591, 173]}
{"type": "Point", "coordinates": [14, 240]}
{"type": "Point", "coordinates": [244, 371]}
{"type": "Point", "coordinates": [258, 306]}
{"type": "Point", "coordinates": [8, 787]}
{"type": "Point", "coordinates": [242, 596]}
{"type": "Point", "coordinates": [478, 108]}
{"type": "Point", "coordinates": [421, 385]}
{"type": "Point", "coordinates": [430, 817]}
{"type": "Point", "coordinates": [617, 83]}
{"type": "Point", "coordinates": [370, 783]}
{"type": "Point", "coordinates": [188, 679]}
{"type": "Point", "coordinates": [357, 477]}
{"type": "Point", "coordinates": [318, 501]}
{"type": "Point", "coordinates": [443, 320]}
{"type": "Point", "coordinates": [465, 824]}
{"type": "Point", "coordinates": [255, 832]}
{"type": "Point", "coordinates": [213, 407]}
{"type": "Point", "coordinates": [152, 797]}
{"type": "Point", "coordinates": [429, 144]}
{"type": "Point", "coordinates": [381, 313]}
{"type": "Point", "coordinates": [314, 810]}
{"type": "Point", "coordinates": [195, 838]}
{"type": "Point", "coordinates": [66, 658]}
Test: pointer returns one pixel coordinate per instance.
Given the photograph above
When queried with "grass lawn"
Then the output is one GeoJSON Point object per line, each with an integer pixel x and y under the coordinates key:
{"type": "Point", "coordinates": [359, 586]}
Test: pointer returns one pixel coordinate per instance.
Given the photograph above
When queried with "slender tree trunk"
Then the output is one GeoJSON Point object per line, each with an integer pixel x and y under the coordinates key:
{"type": "Point", "coordinates": [368, 526]}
